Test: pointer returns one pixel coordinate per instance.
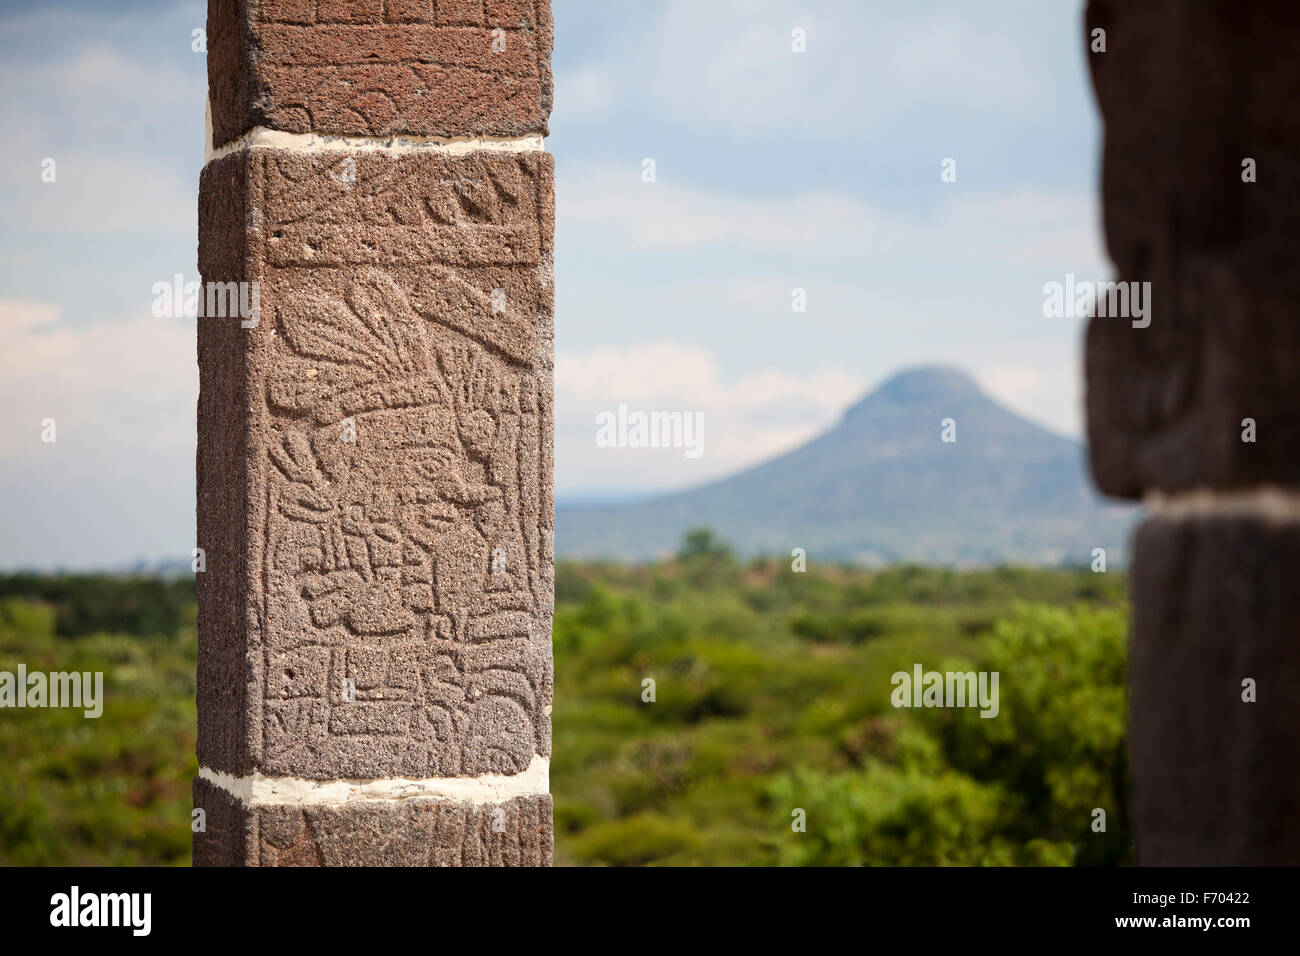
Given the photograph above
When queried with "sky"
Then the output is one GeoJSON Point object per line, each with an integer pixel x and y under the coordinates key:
{"type": "Point", "coordinates": [774, 171]}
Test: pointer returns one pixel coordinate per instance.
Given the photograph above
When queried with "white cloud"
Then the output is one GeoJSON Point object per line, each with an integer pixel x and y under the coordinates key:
{"type": "Point", "coordinates": [98, 194]}
{"type": "Point", "coordinates": [118, 481]}
{"type": "Point", "coordinates": [1031, 226]}
{"type": "Point", "coordinates": [1014, 228]}
{"type": "Point", "coordinates": [1049, 392]}
{"type": "Point", "coordinates": [731, 64]}
{"type": "Point", "coordinates": [944, 58]}
{"type": "Point", "coordinates": [111, 387]}
{"type": "Point", "coordinates": [109, 123]}
{"type": "Point", "coordinates": [1011, 381]}
{"type": "Point", "coordinates": [748, 417]}
{"type": "Point", "coordinates": [94, 93]}
{"type": "Point", "coordinates": [100, 71]}
{"type": "Point", "coordinates": [588, 91]}
{"type": "Point", "coordinates": [670, 214]}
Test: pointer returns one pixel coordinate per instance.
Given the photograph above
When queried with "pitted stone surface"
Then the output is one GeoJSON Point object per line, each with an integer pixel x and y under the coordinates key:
{"type": "Point", "coordinates": [1166, 403]}
{"type": "Point", "coordinates": [380, 67]}
{"type": "Point", "coordinates": [1217, 778]}
{"type": "Point", "coordinates": [375, 464]}
{"type": "Point", "coordinates": [417, 832]}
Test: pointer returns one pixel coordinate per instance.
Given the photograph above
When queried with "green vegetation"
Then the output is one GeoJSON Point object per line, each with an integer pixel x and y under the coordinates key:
{"type": "Point", "coordinates": [85, 604]}
{"type": "Point", "coordinates": [109, 790]}
{"type": "Point", "coordinates": [771, 694]}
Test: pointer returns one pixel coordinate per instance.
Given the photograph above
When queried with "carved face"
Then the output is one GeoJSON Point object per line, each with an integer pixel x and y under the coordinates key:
{"type": "Point", "coordinates": [406, 492]}
{"type": "Point", "coordinates": [390, 487]}
{"type": "Point", "coordinates": [426, 515]}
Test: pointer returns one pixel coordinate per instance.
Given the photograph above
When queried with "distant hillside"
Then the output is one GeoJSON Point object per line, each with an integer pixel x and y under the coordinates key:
{"type": "Point", "coordinates": [880, 486]}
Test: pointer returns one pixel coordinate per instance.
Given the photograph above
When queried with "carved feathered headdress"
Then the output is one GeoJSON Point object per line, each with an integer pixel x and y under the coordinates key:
{"type": "Point", "coordinates": [377, 353]}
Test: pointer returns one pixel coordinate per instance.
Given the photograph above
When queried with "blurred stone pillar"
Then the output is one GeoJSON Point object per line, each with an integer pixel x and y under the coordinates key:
{"type": "Point", "coordinates": [1198, 413]}
{"type": "Point", "coordinates": [375, 435]}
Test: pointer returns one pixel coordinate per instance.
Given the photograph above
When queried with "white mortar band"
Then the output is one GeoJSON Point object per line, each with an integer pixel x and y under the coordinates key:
{"type": "Point", "coordinates": [261, 137]}
{"type": "Point", "coordinates": [1268, 503]}
{"type": "Point", "coordinates": [258, 790]}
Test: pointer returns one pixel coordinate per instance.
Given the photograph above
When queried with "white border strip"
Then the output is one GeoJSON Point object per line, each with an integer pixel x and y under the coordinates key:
{"type": "Point", "coordinates": [257, 790]}
{"type": "Point", "coordinates": [259, 137]}
{"type": "Point", "coordinates": [1268, 503]}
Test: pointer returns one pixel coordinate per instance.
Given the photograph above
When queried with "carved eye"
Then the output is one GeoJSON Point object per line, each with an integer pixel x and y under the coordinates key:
{"type": "Point", "coordinates": [428, 465]}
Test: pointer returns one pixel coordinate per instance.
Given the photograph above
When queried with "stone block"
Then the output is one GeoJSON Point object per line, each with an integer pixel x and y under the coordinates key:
{"type": "Point", "coordinates": [376, 68]}
{"type": "Point", "coordinates": [1217, 779]}
{"type": "Point", "coordinates": [1188, 93]}
{"type": "Point", "coordinates": [374, 465]}
{"type": "Point", "coordinates": [414, 832]}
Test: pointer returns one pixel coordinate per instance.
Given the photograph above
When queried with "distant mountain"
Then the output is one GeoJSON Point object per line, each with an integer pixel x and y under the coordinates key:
{"type": "Point", "coordinates": [881, 487]}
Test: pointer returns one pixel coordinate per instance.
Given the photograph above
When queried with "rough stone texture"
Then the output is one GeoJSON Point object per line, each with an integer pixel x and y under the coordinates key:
{"type": "Point", "coordinates": [1217, 779]}
{"type": "Point", "coordinates": [380, 67]}
{"type": "Point", "coordinates": [225, 589]}
{"type": "Point", "coordinates": [405, 305]}
{"type": "Point", "coordinates": [416, 832]}
{"type": "Point", "coordinates": [1187, 91]}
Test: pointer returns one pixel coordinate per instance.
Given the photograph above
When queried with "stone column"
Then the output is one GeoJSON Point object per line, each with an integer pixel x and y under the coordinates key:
{"type": "Point", "coordinates": [1199, 413]}
{"type": "Point", "coordinates": [375, 435]}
